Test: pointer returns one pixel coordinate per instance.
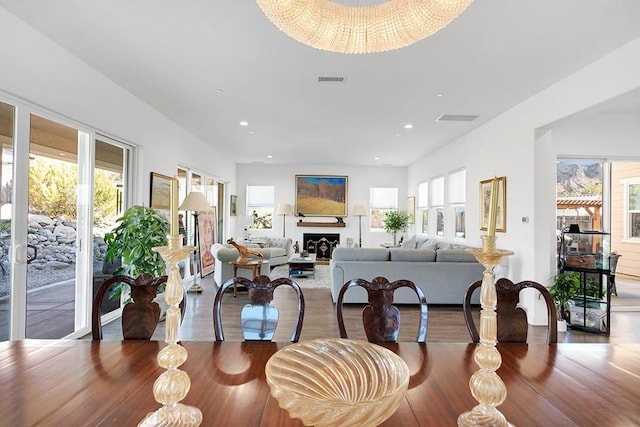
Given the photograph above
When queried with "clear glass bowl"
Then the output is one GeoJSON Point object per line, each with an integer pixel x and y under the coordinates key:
{"type": "Point", "coordinates": [338, 382]}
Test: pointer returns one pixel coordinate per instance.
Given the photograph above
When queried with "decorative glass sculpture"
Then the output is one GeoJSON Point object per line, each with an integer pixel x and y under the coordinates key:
{"type": "Point", "coordinates": [338, 382]}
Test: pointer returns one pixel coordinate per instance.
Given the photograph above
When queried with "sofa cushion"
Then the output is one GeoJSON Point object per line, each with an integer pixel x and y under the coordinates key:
{"type": "Point", "coordinates": [360, 254]}
{"type": "Point", "coordinates": [277, 251]}
{"type": "Point", "coordinates": [454, 255]}
{"type": "Point", "coordinates": [418, 255]}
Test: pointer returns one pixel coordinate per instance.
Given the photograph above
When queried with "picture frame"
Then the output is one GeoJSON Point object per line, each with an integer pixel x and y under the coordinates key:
{"type": "Point", "coordinates": [411, 209]}
{"type": "Point", "coordinates": [485, 200]}
{"type": "Point", "coordinates": [321, 195]}
{"type": "Point", "coordinates": [233, 205]}
{"type": "Point", "coordinates": [206, 238]}
{"type": "Point", "coordinates": [160, 191]}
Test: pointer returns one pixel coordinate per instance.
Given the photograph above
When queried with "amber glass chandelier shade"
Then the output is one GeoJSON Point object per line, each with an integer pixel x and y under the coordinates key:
{"type": "Point", "coordinates": [326, 25]}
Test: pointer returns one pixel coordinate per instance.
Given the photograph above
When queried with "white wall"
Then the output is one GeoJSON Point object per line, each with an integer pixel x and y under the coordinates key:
{"type": "Point", "coordinates": [37, 70]}
{"type": "Point", "coordinates": [360, 179]}
{"type": "Point", "coordinates": [518, 146]}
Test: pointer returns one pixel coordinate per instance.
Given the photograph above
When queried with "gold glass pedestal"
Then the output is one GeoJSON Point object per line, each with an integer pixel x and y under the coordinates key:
{"type": "Point", "coordinates": [173, 385]}
{"type": "Point", "coordinates": [486, 386]}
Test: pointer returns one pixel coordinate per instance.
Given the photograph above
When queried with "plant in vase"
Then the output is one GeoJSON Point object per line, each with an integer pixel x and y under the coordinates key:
{"type": "Point", "coordinates": [395, 221]}
{"type": "Point", "coordinates": [564, 286]}
{"type": "Point", "coordinates": [139, 230]}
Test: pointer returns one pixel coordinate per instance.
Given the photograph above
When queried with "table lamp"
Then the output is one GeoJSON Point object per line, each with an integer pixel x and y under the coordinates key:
{"type": "Point", "coordinates": [195, 202]}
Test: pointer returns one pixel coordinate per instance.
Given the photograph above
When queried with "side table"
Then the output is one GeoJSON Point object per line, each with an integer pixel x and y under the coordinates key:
{"type": "Point", "coordinates": [254, 265]}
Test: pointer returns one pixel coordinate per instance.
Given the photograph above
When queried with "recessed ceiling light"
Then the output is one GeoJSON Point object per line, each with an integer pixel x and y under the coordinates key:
{"type": "Point", "coordinates": [251, 132]}
{"type": "Point", "coordinates": [376, 158]}
{"type": "Point", "coordinates": [440, 95]}
{"type": "Point", "coordinates": [408, 126]}
{"type": "Point", "coordinates": [269, 156]}
{"type": "Point", "coordinates": [244, 123]}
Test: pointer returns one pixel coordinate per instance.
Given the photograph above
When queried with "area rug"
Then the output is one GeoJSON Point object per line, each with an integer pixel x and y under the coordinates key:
{"type": "Point", "coordinates": [321, 279]}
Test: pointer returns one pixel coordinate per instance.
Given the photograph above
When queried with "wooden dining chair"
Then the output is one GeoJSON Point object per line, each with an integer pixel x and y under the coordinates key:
{"type": "Point", "coordinates": [512, 320]}
{"type": "Point", "coordinates": [259, 318]}
{"type": "Point", "coordinates": [140, 317]}
{"type": "Point", "coordinates": [381, 319]}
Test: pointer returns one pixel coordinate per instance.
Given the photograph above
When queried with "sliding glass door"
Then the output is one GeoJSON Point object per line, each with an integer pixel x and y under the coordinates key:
{"type": "Point", "coordinates": [63, 187]}
{"type": "Point", "coordinates": [7, 122]}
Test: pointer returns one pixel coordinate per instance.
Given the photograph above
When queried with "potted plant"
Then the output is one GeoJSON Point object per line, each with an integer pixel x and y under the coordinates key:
{"type": "Point", "coordinates": [565, 285]}
{"type": "Point", "coordinates": [395, 221]}
{"type": "Point", "coordinates": [139, 230]}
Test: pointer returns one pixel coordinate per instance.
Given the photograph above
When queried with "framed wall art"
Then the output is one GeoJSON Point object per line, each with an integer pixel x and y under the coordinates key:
{"type": "Point", "coordinates": [411, 209]}
{"type": "Point", "coordinates": [207, 237]}
{"type": "Point", "coordinates": [485, 200]}
{"type": "Point", "coordinates": [321, 195]}
{"type": "Point", "coordinates": [233, 205]}
{"type": "Point", "coordinates": [160, 192]}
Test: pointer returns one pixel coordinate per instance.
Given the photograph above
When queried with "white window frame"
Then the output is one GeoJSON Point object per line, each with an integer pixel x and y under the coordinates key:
{"type": "Point", "coordinates": [437, 203]}
{"type": "Point", "coordinates": [265, 204]}
{"type": "Point", "coordinates": [457, 199]}
{"type": "Point", "coordinates": [381, 203]}
{"type": "Point", "coordinates": [423, 207]}
{"type": "Point", "coordinates": [626, 220]}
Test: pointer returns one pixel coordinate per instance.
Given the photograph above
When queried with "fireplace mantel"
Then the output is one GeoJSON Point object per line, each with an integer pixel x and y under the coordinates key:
{"type": "Point", "coordinates": [320, 224]}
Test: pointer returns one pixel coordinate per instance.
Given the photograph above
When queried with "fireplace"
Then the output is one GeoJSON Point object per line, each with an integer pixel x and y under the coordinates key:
{"type": "Point", "coordinates": [321, 244]}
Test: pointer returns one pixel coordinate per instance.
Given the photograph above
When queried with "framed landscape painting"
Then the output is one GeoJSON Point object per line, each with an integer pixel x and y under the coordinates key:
{"type": "Point", "coordinates": [160, 192]}
{"type": "Point", "coordinates": [321, 195]}
{"type": "Point", "coordinates": [485, 200]}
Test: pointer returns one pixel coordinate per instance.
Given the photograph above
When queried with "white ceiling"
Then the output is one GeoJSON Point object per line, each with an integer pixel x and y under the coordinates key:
{"type": "Point", "coordinates": [209, 64]}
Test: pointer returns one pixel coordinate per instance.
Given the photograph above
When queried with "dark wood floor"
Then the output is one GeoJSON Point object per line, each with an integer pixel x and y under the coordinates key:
{"type": "Point", "coordinates": [446, 323]}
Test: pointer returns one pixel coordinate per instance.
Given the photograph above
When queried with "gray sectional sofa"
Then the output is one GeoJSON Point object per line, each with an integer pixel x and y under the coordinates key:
{"type": "Point", "coordinates": [443, 271]}
{"type": "Point", "coordinates": [276, 251]}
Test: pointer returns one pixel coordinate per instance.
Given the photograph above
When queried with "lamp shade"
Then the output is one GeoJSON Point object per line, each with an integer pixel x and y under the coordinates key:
{"type": "Point", "coordinates": [195, 202]}
{"type": "Point", "coordinates": [284, 209]}
{"type": "Point", "coordinates": [359, 210]}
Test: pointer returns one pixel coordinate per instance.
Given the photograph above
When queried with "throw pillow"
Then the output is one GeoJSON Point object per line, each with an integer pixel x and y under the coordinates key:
{"type": "Point", "coordinates": [429, 244]}
{"type": "Point", "coordinates": [410, 243]}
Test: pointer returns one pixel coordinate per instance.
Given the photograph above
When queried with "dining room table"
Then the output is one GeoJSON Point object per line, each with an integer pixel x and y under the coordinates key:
{"type": "Point", "coordinates": [110, 383]}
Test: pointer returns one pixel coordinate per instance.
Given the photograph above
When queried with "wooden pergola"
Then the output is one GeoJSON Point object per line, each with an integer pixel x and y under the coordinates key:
{"type": "Point", "coordinates": [591, 204]}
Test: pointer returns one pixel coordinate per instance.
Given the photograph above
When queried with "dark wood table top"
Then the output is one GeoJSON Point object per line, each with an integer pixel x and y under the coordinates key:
{"type": "Point", "coordinates": [87, 383]}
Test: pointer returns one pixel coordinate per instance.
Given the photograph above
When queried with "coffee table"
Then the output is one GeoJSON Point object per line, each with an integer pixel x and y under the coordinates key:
{"type": "Point", "coordinates": [302, 266]}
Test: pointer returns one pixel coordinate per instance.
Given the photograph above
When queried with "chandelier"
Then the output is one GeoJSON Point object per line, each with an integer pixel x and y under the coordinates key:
{"type": "Point", "coordinates": [326, 25]}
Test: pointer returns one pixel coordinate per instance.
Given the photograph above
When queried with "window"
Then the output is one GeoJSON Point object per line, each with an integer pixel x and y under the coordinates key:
{"type": "Point", "coordinates": [423, 207]}
{"type": "Point", "coordinates": [381, 200]}
{"type": "Point", "coordinates": [437, 203]}
{"type": "Point", "coordinates": [632, 214]}
{"type": "Point", "coordinates": [260, 200]}
{"type": "Point", "coordinates": [457, 198]}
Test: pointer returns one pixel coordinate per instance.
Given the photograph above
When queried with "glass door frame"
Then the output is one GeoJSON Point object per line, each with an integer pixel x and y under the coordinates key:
{"type": "Point", "coordinates": [20, 207]}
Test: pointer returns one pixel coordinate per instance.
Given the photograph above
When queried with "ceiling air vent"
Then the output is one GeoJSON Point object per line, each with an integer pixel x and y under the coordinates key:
{"type": "Point", "coordinates": [330, 79]}
{"type": "Point", "coordinates": [456, 118]}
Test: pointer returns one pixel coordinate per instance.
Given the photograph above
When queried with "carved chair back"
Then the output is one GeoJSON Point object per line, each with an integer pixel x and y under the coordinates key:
{"type": "Point", "coordinates": [380, 318]}
{"type": "Point", "coordinates": [141, 316]}
{"type": "Point", "coordinates": [512, 320]}
{"type": "Point", "coordinates": [259, 318]}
